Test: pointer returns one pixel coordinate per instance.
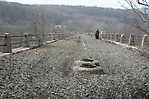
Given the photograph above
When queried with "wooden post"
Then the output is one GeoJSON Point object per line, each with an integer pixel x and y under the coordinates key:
{"type": "Point", "coordinates": [121, 38]}
{"type": "Point", "coordinates": [100, 35]}
{"type": "Point", "coordinates": [106, 35]}
{"type": "Point", "coordinates": [55, 36]}
{"type": "Point", "coordinates": [63, 36]}
{"type": "Point", "coordinates": [143, 40]}
{"type": "Point", "coordinates": [116, 37]}
{"type": "Point", "coordinates": [58, 36]}
{"type": "Point", "coordinates": [39, 40]}
{"type": "Point", "coordinates": [110, 36]}
{"type": "Point", "coordinates": [7, 42]}
{"type": "Point", "coordinates": [26, 42]}
{"type": "Point", "coordinates": [131, 40]}
{"type": "Point", "coordinates": [51, 36]}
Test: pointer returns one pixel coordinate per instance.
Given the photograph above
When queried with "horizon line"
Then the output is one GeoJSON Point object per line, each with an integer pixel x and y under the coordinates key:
{"type": "Point", "coordinates": [63, 5]}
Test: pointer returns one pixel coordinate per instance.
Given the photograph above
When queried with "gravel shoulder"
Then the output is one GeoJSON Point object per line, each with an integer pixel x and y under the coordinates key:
{"type": "Point", "coordinates": [46, 73]}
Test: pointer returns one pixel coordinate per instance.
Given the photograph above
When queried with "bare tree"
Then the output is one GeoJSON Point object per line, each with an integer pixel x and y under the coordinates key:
{"type": "Point", "coordinates": [140, 20]}
{"type": "Point", "coordinates": [144, 2]}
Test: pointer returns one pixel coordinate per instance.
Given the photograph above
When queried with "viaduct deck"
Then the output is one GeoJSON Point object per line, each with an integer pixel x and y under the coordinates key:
{"type": "Point", "coordinates": [47, 72]}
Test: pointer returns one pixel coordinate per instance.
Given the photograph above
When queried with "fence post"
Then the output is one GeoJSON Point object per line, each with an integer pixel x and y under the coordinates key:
{"type": "Point", "coordinates": [130, 36]}
{"type": "Point", "coordinates": [7, 42]}
{"type": "Point", "coordinates": [116, 37]}
{"type": "Point", "coordinates": [121, 38]}
{"type": "Point", "coordinates": [39, 40]}
{"type": "Point", "coordinates": [100, 36]}
{"type": "Point", "coordinates": [143, 40]}
{"type": "Point", "coordinates": [113, 36]}
{"type": "Point", "coordinates": [50, 35]}
{"type": "Point", "coordinates": [63, 36]}
{"type": "Point", "coordinates": [26, 42]}
{"type": "Point", "coordinates": [131, 40]}
{"type": "Point", "coordinates": [59, 36]}
{"type": "Point", "coordinates": [54, 36]}
{"type": "Point", "coordinates": [110, 38]}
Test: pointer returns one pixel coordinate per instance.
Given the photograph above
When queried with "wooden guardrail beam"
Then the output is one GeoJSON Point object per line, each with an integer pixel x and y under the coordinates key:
{"type": "Point", "coordinates": [132, 39]}
{"type": "Point", "coordinates": [27, 38]}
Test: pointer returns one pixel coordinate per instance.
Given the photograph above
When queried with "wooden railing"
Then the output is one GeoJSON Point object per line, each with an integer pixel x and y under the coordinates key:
{"type": "Point", "coordinates": [9, 42]}
{"type": "Point", "coordinates": [138, 41]}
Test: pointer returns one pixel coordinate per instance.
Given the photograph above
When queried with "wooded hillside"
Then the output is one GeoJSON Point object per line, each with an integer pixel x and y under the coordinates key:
{"type": "Point", "coordinates": [15, 17]}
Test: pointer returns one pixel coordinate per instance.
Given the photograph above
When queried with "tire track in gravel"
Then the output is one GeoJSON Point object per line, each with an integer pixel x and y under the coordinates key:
{"type": "Point", "coordinates": [65, 60]}
{"type": "Point", "coordinates": [59, 59]}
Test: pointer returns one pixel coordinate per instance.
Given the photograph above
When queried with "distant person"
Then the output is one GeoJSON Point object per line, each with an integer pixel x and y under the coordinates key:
{"type": "Point", "coordinates": [97, 34]}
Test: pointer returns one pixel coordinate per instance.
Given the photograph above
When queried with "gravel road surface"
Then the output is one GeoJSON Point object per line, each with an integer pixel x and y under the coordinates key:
{"type": "Point", "coordinates": [46, 73]}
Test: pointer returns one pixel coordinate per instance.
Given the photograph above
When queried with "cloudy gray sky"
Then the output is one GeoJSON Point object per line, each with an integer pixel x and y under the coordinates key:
{"type": "Point", "coordinates": [99, 3]}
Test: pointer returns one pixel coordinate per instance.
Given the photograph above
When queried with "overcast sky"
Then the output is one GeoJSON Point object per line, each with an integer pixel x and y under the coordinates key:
{"type": "Point", "coordinates": [99, 3]}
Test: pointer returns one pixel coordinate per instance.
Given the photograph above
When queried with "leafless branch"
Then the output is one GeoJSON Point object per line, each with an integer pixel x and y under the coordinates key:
{"type": "Point", "coordinates": [140, 27]}
{"type": "Point", "coordinates": [136, 11]}
{"type": "Point", "coordinates": [140, 22]}
{"type": "Point", "coordinates": [145, 3]}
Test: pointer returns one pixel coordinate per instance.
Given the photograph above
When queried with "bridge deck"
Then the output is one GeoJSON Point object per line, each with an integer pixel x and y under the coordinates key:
{"type": "Point", "coordinates": [50, 69]}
